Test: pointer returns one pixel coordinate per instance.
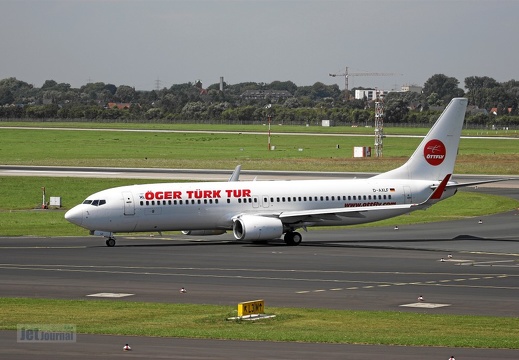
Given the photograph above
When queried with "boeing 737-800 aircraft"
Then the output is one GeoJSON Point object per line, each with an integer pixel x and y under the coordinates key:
{"type": "Point", "coordinates": [265, 210]}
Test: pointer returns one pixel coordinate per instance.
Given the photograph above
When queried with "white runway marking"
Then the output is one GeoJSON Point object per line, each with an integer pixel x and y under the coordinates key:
{"type": "Point", "coordinates": [500, 263]}
{"type": "Point", "coordinates": [425, 305]}
{"type": "Point", "coordinates": [110, 295]}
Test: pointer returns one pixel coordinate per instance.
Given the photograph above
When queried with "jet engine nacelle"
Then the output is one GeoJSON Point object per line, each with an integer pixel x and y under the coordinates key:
{"type": "Point", "coordinates": [203, 232]}
{"type": "Point", "coordinates": [252, 227]}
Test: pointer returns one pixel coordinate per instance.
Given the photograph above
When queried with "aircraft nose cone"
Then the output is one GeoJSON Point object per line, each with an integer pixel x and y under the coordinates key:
{"type": "Point", "coordinates": [75, 216]}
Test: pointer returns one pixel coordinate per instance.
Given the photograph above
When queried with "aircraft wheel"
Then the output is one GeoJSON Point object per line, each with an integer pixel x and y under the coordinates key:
{"type": "Point", "coordinates": [292, 238]}
{"type": "Point", "coordinates": [110, 242]}
{"type": "Point", "coordinates": [288, 238]}
{"type": "Point", "coordinates": [296, 238]}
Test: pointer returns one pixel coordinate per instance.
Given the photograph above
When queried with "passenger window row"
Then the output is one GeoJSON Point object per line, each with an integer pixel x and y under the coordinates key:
{"type": "Point", "coordinates": [178, 202]}
{"type": "Point", "coordinates": [329, 198]}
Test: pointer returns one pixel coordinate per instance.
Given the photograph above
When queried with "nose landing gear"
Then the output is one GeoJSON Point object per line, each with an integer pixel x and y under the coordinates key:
{"type": "Point", "coordinates": [110, 242]}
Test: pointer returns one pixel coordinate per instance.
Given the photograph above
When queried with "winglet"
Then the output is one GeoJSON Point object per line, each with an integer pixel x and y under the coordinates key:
{"type": "Point", "coordinates": [235, 176]}
{"type": "Point", "coordinates": [438, 192]}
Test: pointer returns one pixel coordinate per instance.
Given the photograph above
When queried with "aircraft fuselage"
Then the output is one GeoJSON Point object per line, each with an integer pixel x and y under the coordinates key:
{"type": "Point", "coordinates": [212, 205]}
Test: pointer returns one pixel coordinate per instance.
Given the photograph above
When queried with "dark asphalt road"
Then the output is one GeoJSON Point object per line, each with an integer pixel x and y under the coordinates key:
{"type": "Point", "coordinates": [375, 269]}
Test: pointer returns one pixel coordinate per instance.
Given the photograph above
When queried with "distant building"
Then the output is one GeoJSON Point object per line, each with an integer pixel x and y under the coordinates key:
{"type": "Point", "coordinates": [411, 88]}
{"type": "Point", "coordinates": [265, 94]}
{"type": "Point", "coordinates": [372, 94]}
{"type": "Point", "coordinates": [495, 110]}
{"type": "Point", "coordinates": [369, 94]}
{"type": "Point", "coordinates": [120, 106]}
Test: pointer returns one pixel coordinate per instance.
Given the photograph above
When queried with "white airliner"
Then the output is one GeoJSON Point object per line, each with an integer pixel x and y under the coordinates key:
{"type": "Point", "coordinates": [265, 210]}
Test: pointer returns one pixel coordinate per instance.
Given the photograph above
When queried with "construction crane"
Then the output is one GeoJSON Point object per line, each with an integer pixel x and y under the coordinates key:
{"type": "Point", "coordinates": [346, 75]}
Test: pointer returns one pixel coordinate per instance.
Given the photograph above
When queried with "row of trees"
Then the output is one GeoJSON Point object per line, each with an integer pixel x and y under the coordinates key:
{"type": "Point", "coordinates": [493, 103]}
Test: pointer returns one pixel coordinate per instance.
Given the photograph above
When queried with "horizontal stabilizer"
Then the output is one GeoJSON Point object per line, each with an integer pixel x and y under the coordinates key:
{"type": "Point", "coordinates": [473, 183]}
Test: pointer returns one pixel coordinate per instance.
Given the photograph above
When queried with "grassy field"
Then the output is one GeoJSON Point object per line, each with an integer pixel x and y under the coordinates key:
{"type": "Point", "coordinates": [225, 151]}
{"type": "Point", "coordinates": [290, 324]}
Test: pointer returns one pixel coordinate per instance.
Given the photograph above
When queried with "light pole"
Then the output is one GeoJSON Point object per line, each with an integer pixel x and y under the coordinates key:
{"type": "Point", "coordinates": [269, 119]}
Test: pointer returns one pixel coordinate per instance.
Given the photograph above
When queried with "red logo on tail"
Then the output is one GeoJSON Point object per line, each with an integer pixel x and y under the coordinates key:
{"type": "Point", "coordinates": [434, 152]}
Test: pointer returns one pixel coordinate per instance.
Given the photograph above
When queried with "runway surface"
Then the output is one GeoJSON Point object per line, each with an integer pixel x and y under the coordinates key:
{"type": "Point", "coordinates": [371, 269]}
{"type": "Point", "coordinates": [368, 269]}
{"type": "Point", "coordinates": [110, 347]}
{"type": "Point", "coordinates": [365, 269]}
{"type": "Point", "coordinates": [213, 175]}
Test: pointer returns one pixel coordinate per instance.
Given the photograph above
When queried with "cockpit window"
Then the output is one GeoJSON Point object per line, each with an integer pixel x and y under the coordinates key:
{"type": "Point", "coordinates": [95, 202]}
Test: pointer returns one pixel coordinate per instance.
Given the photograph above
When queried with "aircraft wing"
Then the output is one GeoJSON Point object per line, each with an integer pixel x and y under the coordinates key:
{"type": "Point", "coordinates": [331, 213]}
{"type": "Point", "coordinates": [334, 213]}
{"type": "Point", "coordinates": [343, 211]}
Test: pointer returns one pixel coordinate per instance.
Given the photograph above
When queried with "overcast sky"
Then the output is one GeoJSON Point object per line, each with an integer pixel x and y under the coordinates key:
{"type": "Point", "coordinates": [137, 42]}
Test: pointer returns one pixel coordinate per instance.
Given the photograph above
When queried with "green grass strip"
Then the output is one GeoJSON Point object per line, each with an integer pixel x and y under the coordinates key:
{"type": "Point", "coordinates": [290, 324]}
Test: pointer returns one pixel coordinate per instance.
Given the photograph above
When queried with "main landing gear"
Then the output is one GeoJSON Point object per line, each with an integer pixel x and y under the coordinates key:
{"type": "Point", "coordinates": [292, 238]}
{"type": "Point", "coordinates": [110, 242]}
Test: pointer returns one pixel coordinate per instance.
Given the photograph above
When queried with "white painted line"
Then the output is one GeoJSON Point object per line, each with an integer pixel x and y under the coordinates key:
{"type": "Point", "coordinates": [62, 172]}
{"type": "Point", "coordinates": [110, 295]}
{"type": "Point", "coordinates": [425, 305]}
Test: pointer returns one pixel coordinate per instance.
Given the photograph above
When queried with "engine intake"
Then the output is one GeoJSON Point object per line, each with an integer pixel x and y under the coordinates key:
{"type": "Point", "coordinates": [253, 227]}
